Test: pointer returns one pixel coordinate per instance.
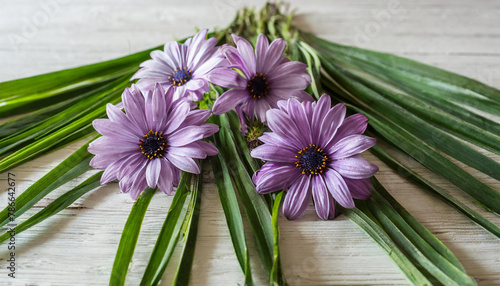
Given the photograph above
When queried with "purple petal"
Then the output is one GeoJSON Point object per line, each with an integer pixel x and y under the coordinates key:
{"type": "Point", "coordinates": [293, 81]}
{"type": "Point", "coordinates": [196, 117]}
{"type": "Point", "coordinates": [297, 198]}
{"type": "Point", "coordinates": [112, 147]}
{"type": "Point", "coordinates": [299, 115]}
{"type": "Point", "coordinates": [246, 52]}
{"type": "Point", "coordinates": [274, 177]}
{"type": "Point", "coordinates": [229, 100]}
{"type": "Point", "coordinates": [165, 180]}
{"type": "Point", "coordinates": [227, 77]}
{"type": "Point", "coordinates": [117, 116]}
{"type": "Point", "coordinates": [272, 153]}
{"type": "Point", "coordinates": [320, 196]}
{"type": "Point", "coordinates": [110, 173]}
{"type": "Point", "coordinates": [281, 123]}
{"type": "Point", "coordinates": [261, 51]}
{"type": "Point", "coordinates": [332, 213]}
{"type": "Point", "coordinates": [190, 134]}
{"type": "Point", "coordinates": [338, 188]}
{"type": "Point", "coordinates": [350, 146]}
{"type": "Point", "coordinates": [134, 104]}
{"type": "Point", "coordinates": [332, 121]}
{"type": "Point", "coordinates": [109, 129]}
{"type": "Point", "coordinates": [287, 69]}
{"type": "Point", "coordinates": [360, 189]}
{"type": "Point", "coordinates": [274, 55]}
{"type": "Point", "coordinates": [191, 150]}
{"type": "Point", "coordinates": [320, 111]}
{"type": "Point", "coordinates": [354, 167]}
{"type": "Point", "coordinates": [354, 124]}
{"type": "Point", "coordinates": [185, 164]}
{"type": "Point", "coordinates": [153, 172]}
{"type": "Point", "coordinates": [177, 116]}
{"type": "Point", "coordinates": [272, 138]}
{"type": "Point", "coordinates": [208, 148]}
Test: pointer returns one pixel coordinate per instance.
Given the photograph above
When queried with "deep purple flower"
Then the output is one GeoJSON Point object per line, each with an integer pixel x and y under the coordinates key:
{"type": "Point", "coordinates": [151, 142]}
{"type": "Point", "coordinates": [314, 150]}
{"type": "Point", "coordinates": [268, 78]}
{"type": "Point", "coordinates": [183, 66]}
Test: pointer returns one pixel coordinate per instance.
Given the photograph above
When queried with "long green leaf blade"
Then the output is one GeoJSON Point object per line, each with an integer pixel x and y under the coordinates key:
{"type": "Point", "coordinates": [73, 166]}
{"type": "Point", "coordinates": [407, 172]}
{"type": "Point", "coordinates": [169, 233]}
{"type": "Point", "coordinates": [129, 238]}
{"type": "Point", "coordinates": [373, 229]}
{"type": "Point", "coordinates": [187, 256]}
{"type": "Point", "coordinates": [229, 202]}
{"type": "Point", "coordinates": [58, 204]}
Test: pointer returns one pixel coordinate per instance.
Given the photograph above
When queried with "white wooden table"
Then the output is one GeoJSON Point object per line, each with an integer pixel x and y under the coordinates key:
{"type": "Point", "coordinates": [77, 246]}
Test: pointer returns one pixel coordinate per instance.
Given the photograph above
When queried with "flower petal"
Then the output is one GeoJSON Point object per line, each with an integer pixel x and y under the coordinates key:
{"type": "Point", "coordinates": [227, 77]}
{"type": "Point", "coordinates": [354, 124]}
{"type": "Point", "coordinates": [272, 153]}
{"type": "Point", "coordinates": [274, 177]}
{"type": "Point", "coordinates": [297, 198]}
{"type": "Point", "coordinates": [354, 167]}
{"type": "Point", "coordinates": [184, 163]}
{"type": "Point", "coordinates": [190, 134]}
{"type": "Point", "coordinates": [153, 171]}
{"type": "Point", "coordinates": [350, 145]}
{"type": "Point", "coordinates": [245, 49]}
{"type": "Point", "coordinates": [338, 188]}
{"type": "Point", "coordinates": [360, 189]}
{"type": "Point", "coordinates": [229, 100]}
{"type": "Point", "coordinates": [320, 196]}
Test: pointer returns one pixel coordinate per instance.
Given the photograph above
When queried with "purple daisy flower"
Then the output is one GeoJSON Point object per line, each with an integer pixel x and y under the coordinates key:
{"type": "Point", "coordinates": [314, 151]}
{"type": "Point", "coordinates": [268, 77]}
{"type": "Point", "coordinates": [185, 67]}
{"type": "Point", "coordinates": [151, 142]}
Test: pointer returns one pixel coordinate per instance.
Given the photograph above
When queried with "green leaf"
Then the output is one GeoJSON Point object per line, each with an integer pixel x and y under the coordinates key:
{"type": "Point", "coordinates": [73, 166]}
{"type": "Point", "coordinates": [69, 79]}
{"type": "Point", "coordinates": [430, 93]}
{"type": "Point", "coordinates": [408, 173]}
{"type": "Point", "coordinates": [58, 204]}
{"type": "Point", "coordinates": [375, 231]}
{"type": "Point", "coordinates": [276, 277]}
{"type": "Point", "coordinates": [190, 234]}
{"type": "Point", "coordinates": [66, 117]}
{"type": "Point", "coordinates": [255, 209]}
{"type": "Point", "coordinates": [47, 143]}
{"type": "Point", "coordinates": [229, 202]}
{"type": "Point", "coordinates": [415, 240]}
{"type": "Point", "coordinates": [435, 77]}
{"type": "Point", "coordinates": [129, 238]}
{"type": "Point", "coordinates": [169, 233]}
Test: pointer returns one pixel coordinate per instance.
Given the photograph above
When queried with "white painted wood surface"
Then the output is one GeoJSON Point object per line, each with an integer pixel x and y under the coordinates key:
{"type": "Point", "coordinates": [77, 246]}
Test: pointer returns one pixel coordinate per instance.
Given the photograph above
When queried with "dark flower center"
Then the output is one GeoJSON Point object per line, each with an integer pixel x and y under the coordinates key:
{"type": "Point", "coordinates": [312, 160]}
{"type": "Point", "coordinates": [153, 145]}
{"type": "Point", "coordinates": [181, 76]}
{"type": "Point", "coordinates": [258, 86]}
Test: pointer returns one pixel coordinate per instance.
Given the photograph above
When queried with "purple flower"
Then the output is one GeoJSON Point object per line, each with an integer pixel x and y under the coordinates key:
{"type": "Point", "coordinates": [185, 67]}
{"type": "Point", "coordinates": [268, 77]}
{"type": "Point", "coordinates": [151, 142]}
{"type": "Point", "coordinates": [314, 151]}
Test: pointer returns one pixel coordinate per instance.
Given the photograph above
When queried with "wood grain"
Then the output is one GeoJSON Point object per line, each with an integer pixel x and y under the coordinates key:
{"type": "Point", "coordinates": [77, 246]}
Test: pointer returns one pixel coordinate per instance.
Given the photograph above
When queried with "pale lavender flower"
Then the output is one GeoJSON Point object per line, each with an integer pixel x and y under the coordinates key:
{"type": "Point", "coordinates": [314, 151]}
{"type": "Point", "coordinates": [185, 67]}
{"type": "Point", "coordinates": [151, 142]}
{"type": "Point", "coordinates": [268, 77]}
